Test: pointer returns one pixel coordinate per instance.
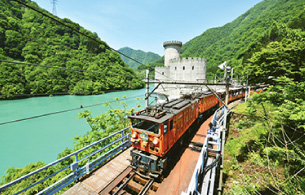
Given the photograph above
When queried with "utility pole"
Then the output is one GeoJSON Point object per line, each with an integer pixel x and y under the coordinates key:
{"type": "Point", "coordinates": [147, 88]}
{"type": "Point", "coordinates": [246, 93]}
{"type": "Point", "coordinates": [224, 128]}
{"type": "Point", "coordinates": [232, 74]}
{"type": "Point", "coordinates": [249, 92]}
{"type": "Point", "coordinates": [215, 81]}
{"type": "Point", "coordinates": [54, 2]}
{"type": "Point", "coordinates": [227, 77]}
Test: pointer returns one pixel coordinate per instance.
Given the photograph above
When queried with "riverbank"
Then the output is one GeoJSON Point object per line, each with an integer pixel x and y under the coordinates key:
{"type": "Point", "coordinates": [43, 138]}
{"type": "Point", "coordinates": [23, 96]}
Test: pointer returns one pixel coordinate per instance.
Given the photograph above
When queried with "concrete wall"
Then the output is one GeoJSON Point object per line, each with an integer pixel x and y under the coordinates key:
{"type": "Point", "coordinates": [176, 69]}
{"type": "Point", "coordinates": [190, 69]}
{"type": "Point", "coordinates": [162, 73]}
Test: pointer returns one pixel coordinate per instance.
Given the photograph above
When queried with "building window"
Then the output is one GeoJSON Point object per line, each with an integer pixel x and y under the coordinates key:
{"type": "Point", "coordinates": [183, 67]}
{"type": "Point", "coordinates": [192, 67]}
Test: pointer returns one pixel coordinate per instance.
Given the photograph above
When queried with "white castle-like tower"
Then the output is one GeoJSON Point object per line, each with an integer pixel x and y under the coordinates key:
{"type": "Point", "coordinates": [177, 69]}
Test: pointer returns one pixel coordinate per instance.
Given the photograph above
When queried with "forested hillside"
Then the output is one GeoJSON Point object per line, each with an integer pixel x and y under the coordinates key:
{"type": "Point", "coordinates": [139, 55]}
{"type": "Point", "coordinates": [27, 36]}
{"type": "Point", "coordinates": [231, 41]}
{"type": "Point", "coordinates": [265, 148]}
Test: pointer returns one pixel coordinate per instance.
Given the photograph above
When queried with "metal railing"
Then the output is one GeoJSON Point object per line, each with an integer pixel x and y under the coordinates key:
{"type": "Point", "coordinates": [78, 167]}
{"type": "Point", "coordinates": [202, 181]}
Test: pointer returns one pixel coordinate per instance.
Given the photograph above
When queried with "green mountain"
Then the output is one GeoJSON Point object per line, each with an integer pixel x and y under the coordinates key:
{"type": "Point", "coordinates": [232, 41]}
{"type": "Point", "coordinates": [139, 55]}
{"type": "Point", "coordinates": [268, 130]}
{"type": "Point", "coordinates": [28, 36]}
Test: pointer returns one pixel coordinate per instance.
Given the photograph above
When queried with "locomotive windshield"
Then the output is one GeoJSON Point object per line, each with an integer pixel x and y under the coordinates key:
{"type": "Point", "coordinates": [146, 125]}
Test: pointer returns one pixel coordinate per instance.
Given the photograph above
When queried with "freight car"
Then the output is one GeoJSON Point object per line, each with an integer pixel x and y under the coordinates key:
{"type": "Point", "coordinates": [156, 131]}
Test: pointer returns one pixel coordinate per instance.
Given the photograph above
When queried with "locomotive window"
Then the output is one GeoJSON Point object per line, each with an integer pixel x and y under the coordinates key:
{"type": "Point", "coordinates": [145, 125]}
{"type": "Point", "coordinates": [171, 125]}
{"type": "Point", "coordinates": [165, 127]}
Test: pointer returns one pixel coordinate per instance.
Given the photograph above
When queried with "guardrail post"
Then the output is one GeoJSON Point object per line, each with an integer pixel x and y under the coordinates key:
{"type": "Point", "coordinates": [88, 167]}
{"type": "Point", "coordinates": [74, 166]}
{"type": "Point", "coordinates": [122, 135]}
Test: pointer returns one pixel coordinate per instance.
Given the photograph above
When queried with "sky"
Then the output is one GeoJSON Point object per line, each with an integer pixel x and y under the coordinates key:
{"type": "Point", "coordinates": [146, 24]}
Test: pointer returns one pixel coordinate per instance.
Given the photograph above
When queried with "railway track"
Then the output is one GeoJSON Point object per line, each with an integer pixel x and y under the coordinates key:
{"type": "Point", "coordinates": [129, 182]}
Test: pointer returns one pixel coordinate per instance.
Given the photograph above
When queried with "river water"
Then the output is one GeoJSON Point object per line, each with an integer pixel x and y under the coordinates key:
{"type": "Point", "coordinates": [41, 139]}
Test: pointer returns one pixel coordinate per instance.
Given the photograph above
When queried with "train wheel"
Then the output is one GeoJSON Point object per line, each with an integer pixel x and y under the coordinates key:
{"type": "Point", "coordinates": [161, 178]}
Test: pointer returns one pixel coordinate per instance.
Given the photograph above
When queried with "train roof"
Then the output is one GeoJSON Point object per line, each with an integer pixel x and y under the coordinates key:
{"type": "Point", "coordinates": [162, 113]}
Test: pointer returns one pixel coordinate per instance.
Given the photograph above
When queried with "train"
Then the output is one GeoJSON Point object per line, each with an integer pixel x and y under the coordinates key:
{"type": "Point", "coordinates": [156, 131]}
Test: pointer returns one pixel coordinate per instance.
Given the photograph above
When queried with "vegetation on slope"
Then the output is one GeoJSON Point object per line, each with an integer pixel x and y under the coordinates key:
{"type": "Point", "coordinates": [26, 35]}
{"type": "Point", "coordinates": [141, 70]}
{"type": "Point", "coordinates": [231, 41]}
{"type": "Point", "coordinates": [264, 152]}
{"type": "Point", "coordinates": [139, 55]}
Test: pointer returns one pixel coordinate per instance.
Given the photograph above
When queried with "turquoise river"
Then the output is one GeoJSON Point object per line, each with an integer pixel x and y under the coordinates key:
{"type": "Point", "coordinates": [41, 139]}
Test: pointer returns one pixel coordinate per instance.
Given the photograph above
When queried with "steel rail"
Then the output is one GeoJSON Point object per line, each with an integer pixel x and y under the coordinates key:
{"type": "Point", "coordinates": [124, 184]}
{"type": "Point", "coordinates": [146, 187]}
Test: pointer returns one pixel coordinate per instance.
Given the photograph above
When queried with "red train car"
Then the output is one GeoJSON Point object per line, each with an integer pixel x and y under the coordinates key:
{"type": "Point", "coordinates": [207, 101]}
{"type": "Point", "coordinates": [155, 131]}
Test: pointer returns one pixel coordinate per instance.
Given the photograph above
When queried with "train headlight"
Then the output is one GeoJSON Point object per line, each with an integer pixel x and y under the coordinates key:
{"type": "Point", "coordinates": [156, 141]}
{"type": "Point", "coordinates": [134, 135]}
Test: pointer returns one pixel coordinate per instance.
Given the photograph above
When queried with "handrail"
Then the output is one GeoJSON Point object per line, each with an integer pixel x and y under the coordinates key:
{"type": "Point", "coordinates": [77, 172]}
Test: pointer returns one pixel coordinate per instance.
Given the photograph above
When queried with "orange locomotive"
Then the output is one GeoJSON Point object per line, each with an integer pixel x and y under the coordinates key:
{"type": "Point", "coordinates": [156, 130]}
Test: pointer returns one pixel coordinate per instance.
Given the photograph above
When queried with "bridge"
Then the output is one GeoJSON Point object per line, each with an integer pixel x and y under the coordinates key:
{"type": "Point", "coordinates": [105, 169]}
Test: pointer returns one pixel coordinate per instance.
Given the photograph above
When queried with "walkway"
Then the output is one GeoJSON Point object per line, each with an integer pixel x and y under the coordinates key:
{"type": "Point", "coordinates": [101, 178]}
{"type": "Point", "coordinates": [180, 176]}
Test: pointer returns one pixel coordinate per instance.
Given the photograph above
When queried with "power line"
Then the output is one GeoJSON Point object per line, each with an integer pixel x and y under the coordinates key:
{"type": "Point", "coordinates": [96, 40]}
{"type": "Point", "coordinates": [75, 30]}
{"type": "Point", "coordinates": [62, 111]}
{"type": "Point", "coordinates": [64, 68]}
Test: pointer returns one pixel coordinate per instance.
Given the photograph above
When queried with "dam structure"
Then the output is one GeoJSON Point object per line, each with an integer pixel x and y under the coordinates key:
{"type": "Point", "coordinates": [180, 70]}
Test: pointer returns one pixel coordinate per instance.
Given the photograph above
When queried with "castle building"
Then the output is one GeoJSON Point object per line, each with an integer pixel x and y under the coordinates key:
{"type": "Point", "coordinates": [180, 70]}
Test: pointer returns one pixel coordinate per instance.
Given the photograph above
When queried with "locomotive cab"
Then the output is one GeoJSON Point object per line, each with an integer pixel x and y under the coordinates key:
{"type": "Point", "coordinates": [154, 132]}
{"type": "Point", "coordinates": [148, 137]}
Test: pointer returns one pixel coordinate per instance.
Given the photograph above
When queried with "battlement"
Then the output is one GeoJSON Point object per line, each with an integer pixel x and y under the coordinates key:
{"type": "Point", "coordinates": [188, 60]}
{"type": "Point", "coordinates": [175, 68]}
{"type": "Point", "coordinates": [178, 43]}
